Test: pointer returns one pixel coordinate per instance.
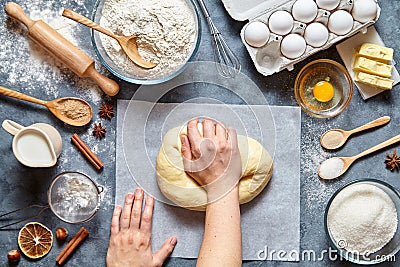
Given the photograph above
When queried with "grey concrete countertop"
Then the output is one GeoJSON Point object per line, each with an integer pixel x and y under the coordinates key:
{"type": "Point", "coordinates": [27, 68]}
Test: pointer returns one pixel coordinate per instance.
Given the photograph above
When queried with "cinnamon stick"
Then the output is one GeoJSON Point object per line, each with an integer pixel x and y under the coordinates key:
{"type": "Point", "coordinates": [87, 152]}
{"type": "Point", "coordinates": [72, 245]}
{"type": "Point", "coordinates": [70, 242]}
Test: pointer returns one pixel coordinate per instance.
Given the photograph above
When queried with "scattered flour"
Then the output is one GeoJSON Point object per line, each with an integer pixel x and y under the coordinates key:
{"type": "Point", "coordinates": [314, 189]}
{"type": "Point", "coordinates": [362, 218]}
{"type": "Point", "coordinates": [166, 33]}
{"type": "Point", "coordinates": [29, 68]}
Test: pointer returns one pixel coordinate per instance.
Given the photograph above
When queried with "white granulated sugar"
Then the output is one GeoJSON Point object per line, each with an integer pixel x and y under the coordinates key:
{"type": "Point", "coordinates": [28, 68]}
{"type": "Point", "coordinates": [362, 218]}
{"type": "Point", "coordinates": [166, 33]}
{"type": "Point", "coordinates": [331, 168]}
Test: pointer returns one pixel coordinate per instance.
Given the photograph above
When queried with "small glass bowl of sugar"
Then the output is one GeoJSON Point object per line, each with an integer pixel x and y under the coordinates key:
{"type": "Point", "coordinates": [361, 222]}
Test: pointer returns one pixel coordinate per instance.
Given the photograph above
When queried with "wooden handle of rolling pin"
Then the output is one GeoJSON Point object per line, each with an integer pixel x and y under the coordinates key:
{"type": "Point", "coordinates": [61, 48]}
{"type": "Point", "coordinates": [110, 87]}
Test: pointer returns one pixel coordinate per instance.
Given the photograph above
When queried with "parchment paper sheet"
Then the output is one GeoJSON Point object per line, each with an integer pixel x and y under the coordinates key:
{"type": "Point", "coordinates": [271, 221]}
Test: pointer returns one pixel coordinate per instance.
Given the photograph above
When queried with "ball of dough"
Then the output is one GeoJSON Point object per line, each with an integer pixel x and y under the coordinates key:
{"type": "Point", "coordinates": [184, 191]}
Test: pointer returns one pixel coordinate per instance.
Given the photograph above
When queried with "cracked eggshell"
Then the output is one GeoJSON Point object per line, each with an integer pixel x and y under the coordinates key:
{"type": "Point", "coordinates": [293, 46]}
{"type": "Point", "coordinates": [328, 4]}
{"type": "Point", "coordinates": [280, 22]}
{"type": "Point", "coordinates": [340, 22]}
{"type": "Point", "coordinates": [256, 34]}
{"type": "Point", "coordinates": [304, 10]}
{"type": "Point", "coordinates": [316, 34]}
{"type": "Point", "coordinates": [364, 10]}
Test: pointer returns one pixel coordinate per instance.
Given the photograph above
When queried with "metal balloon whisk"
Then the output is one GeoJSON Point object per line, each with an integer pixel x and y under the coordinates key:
{"type": "Point", "coordinates": [227, 62]}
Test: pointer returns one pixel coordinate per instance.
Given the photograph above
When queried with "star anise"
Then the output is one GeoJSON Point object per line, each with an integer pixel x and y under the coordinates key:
{"type": "Point", "coordinates": [106, 111]}
{"type": "Point", "coordinates": [393, 161]}
{"type": "Point", "coordinates": [99, 131]}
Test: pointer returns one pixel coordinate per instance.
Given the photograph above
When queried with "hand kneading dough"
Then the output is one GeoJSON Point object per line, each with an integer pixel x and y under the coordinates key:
{"type": "Point", "coordinates": [184, 191]}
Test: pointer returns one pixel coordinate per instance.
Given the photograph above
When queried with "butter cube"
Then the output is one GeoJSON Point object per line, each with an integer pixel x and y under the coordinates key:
{"type": "Point", "coordinates": [363, 64]}
{"type": "Point", "coordinates": [376, 52]}
{"type": "Point", "coordinates": [373, 80]}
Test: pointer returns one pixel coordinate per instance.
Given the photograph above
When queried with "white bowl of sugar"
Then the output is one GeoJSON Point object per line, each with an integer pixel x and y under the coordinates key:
{"type": "Point", "coordinates": [361, 222]}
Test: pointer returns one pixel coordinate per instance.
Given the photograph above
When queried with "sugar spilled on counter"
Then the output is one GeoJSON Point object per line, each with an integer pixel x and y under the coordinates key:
{"type": "Point", "coordinates": [315, 190]}
{"type": "Point", "coordinates": [28, 68]}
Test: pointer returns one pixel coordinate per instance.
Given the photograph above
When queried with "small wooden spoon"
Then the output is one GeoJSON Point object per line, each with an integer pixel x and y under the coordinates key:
{"type": "Point", "coordinates": [56, 106]}
{"type": "Point", "coordinates": [335, 138]}
{"type": "Point", "coordinates": [341, 164]}
{"type": "Point", "coordinates": [128, 43]}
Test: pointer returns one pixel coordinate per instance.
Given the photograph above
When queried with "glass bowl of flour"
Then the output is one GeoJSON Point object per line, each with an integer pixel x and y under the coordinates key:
{"type": "Point", "coordinates": [168, 34]}
{"type": "Point", "coordinates": [361, 222]}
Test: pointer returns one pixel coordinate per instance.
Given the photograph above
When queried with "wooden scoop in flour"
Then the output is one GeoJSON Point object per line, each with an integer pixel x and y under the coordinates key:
{"type": "Point", "coordinates": [80, 63]}
{"type": "Point", "coordinates": [128, 43]}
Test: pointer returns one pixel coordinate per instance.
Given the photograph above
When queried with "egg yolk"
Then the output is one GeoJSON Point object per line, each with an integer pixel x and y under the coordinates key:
{"type": "Point", "coordinates": [323, 91]}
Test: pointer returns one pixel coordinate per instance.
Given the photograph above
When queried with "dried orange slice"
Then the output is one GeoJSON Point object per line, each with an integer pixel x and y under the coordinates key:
{"type": "Point", "coordinates": [35, 240]}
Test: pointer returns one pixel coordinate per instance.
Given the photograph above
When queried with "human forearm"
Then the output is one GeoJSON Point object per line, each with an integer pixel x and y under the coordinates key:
{"type": "Point", "coordinates": [222, 242]}
{"type": "Point", "coordinates": [212, 158]}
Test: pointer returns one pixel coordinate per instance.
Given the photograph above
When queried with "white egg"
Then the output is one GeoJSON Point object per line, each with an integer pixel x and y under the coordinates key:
{"type": "Point", "coordinates": [328, 4]}
{"type": "Point", "coordinates": [304, 10]}
{"type": "Point", "coordinates": [280, 22]}
{"type": "Point", "coordinates": [340, 22]}
{"type": "Point", "coordinates": [293, 46]}
{"type": "Point", "coordinates": [316, 34]}
{"type": "Point", "coordinates": [365, 10]}
{"type": "Point", "coordinates": [256, 34]}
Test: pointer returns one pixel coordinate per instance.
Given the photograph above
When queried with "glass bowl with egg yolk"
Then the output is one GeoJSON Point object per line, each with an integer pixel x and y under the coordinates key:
{"type": "Point", "coordinates": [323, 88]}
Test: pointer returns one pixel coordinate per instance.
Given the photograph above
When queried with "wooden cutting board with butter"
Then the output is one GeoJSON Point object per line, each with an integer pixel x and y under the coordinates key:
{"type": "Point", "coordinates": [372, 66]}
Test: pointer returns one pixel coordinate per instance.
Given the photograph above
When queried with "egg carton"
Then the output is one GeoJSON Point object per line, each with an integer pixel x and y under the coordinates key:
{"type": "Point", "coordinates": [269, 58]}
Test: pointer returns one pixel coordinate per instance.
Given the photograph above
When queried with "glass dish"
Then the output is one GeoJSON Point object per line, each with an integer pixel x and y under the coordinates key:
{"type": "Point", "coordinates": [119, 72]}
{"type": "Point", "coordinates": [323, 70]}
{"type": "Point", "coordinates": [390, 249]}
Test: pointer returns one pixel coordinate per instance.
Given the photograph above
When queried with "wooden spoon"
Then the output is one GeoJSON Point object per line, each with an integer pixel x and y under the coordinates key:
{"type": "Point", "coordinates": [335, 138]}
{"type": "Point", "coordinates": [75, 116]}
{"type": "Point", "coordinates": [336, 166]}
{"type": "Point", "coordinates": [128, 43]}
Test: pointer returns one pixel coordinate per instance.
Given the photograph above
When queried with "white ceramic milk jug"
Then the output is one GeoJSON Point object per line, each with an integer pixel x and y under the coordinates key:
{"type": "Point", "coordinates": [38, 145]}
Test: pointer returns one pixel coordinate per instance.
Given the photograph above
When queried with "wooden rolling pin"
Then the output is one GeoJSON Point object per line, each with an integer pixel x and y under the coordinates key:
{"type": "Point", "coordinates": [61, 48]}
